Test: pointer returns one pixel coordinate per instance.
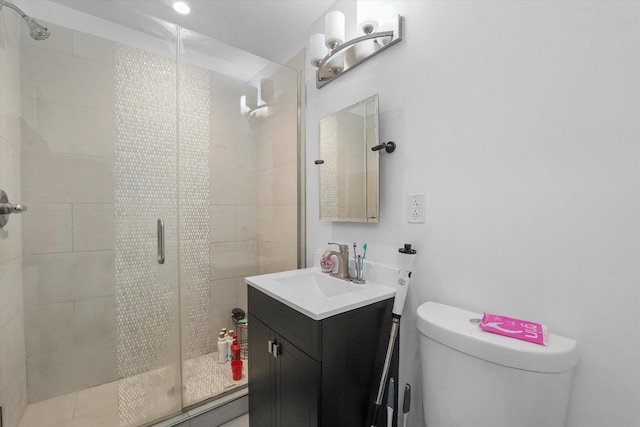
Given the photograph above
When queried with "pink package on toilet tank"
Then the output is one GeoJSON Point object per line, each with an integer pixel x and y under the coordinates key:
{"type": "Point", "coordinates": [514, 328]}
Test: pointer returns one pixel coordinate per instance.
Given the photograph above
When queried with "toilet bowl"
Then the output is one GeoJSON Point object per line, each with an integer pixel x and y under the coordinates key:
{"type": "Point", "coordinates": [473, 378]}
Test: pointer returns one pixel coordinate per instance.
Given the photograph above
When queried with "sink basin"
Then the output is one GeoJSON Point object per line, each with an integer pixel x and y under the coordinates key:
{"type": "Point", "coordinates": [317, 294]}
{"type": "Point", "coordinates": [319, 284]}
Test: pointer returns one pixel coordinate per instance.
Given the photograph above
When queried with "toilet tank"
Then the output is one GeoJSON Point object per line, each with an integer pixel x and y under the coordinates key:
{"type": "Point", "coordinates": [473, 378]}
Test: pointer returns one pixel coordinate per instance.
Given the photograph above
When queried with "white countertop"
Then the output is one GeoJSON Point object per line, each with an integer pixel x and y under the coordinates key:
{"type": "Point", "coordinates": [318, 295]}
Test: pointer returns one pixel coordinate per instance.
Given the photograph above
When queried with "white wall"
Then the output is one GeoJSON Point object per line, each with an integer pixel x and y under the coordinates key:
{"type": "Point", "coordinates": [520, 123]}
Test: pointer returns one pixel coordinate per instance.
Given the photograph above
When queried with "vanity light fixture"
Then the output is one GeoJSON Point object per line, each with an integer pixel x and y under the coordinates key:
{"type": "Point", "coordinates": [254, 104]}
{"type": "Point", "coordinates": [181, 7]}
{"type": "Point", "coordinates": [333, 56]}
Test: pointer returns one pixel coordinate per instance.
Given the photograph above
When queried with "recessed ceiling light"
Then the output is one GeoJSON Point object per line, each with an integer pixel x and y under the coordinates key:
{"type": "Point", "coordinates": [181, 7]}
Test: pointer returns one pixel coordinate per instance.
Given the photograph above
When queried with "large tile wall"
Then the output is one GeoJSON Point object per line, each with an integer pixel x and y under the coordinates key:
{"type": "Point", "coordinates": [68, 184]}
{"type": "Point", "coordinates": [233, 200]}
{"type": "Point", "coordinates": [278, 177]}
{"type": "Point", "coordinates": [13, 376]}
{"type": "Point", "coordinates": [254, 191]}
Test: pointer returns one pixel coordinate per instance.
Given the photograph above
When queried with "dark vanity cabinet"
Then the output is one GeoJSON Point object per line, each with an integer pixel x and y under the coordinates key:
{"type": "Point", "coordinates": [315, 373]}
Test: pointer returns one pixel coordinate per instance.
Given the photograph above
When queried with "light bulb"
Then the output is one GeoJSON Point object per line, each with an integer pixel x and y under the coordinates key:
{"type": "Point", "coordinates": [369, 15]}
{"type": "Point", "coordinates": [334, 29]}
{"type": "Point", "coordinates": [181, 7]}
{"type": "Point", "coordinates": [317, 49]}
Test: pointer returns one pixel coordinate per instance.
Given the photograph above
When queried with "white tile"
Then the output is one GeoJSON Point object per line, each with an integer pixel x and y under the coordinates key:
{"type": "Point", "coordinates": [94, 321]}
{"type": "Point", "coordinates": [281, 138]}
{"type": "Point", "coordinates": [93, 131]}
{"type": "Point", "coordinates": [97, 406]}
{"type": "Point", "coordinates": [95, 48]}
{"type": "Point", "coordinates": [50, 278]}
{"type": "Point", "coordinates": [229, 149]}
{"type": "Point", "coordinates": [47, 228]}
{"type": "Point", "coordinates": [234, 186]}
{"type": "Point", "coordinates": [59, 178]}
{"type": "Point", "coordinates": [54, 84]}
{"type": "Point", "coordinates": [11, 294]}
{"type": "Point", "coordinates": [233, 259]}
{"type": "Point", "coordinates": [285, 184]}
{"type": "Point", "coordinates": [279, 224]}
{"type": "Point", "coordinates": [10, 169]}
{"type": "Point", "coordinates": [47, 125]}
{"type": "Point", "coordinates": [48, 328]}
{"type": "Point", "coordinates": [74, 369]}
{"type": "Point", "coordinates": [14, 396]}
{"type": "Point", "coordinates": [246, 222]}
{"type": "Point", "coordinates": [10, 76]}
{"type": "Point", "coordinates": [12, 350]}
{"type": "Point", "coordinates": [223, 300]}
{"type": "Point", "coordinates": [275, 257]}
{"type": "Point", "coordinates": [223, 224]}
{"type": "Point", "coordinates": [266, 190]}
{"type": "Point", "coordinates": [55, 412]}
{"type": "Point", "coordinates": [93, 227]}
{"type": "Point", "coordinates": [68, 78]}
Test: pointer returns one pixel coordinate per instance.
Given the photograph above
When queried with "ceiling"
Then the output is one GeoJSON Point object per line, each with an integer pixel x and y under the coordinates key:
{"type": "Point", "coordinates": [263, 27]}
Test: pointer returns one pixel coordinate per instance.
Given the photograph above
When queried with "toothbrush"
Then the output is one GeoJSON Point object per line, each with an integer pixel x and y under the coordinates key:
{"type": "Point", "coordinates": [364, 255]}
{"type": "Point", "coordinates": [355, 260]}
{"type": "Point", "coordinates": [390, 403]}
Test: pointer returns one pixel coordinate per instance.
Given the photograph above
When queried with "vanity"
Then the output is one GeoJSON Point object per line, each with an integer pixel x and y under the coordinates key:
{"type": "Point", "coordinates": [316, 349]}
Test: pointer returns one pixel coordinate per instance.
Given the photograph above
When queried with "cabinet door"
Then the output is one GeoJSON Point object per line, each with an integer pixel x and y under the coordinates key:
{"type": "Point", "coordinates": [297, 382]}
{"type": "Point", "coordinates": [262, 395]}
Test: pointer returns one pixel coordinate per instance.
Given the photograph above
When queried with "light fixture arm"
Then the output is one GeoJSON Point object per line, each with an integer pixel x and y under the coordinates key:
{"type": "Point", "coordinates": [325, 75]}
{"type": "Point", "coordinates": [252, 111]}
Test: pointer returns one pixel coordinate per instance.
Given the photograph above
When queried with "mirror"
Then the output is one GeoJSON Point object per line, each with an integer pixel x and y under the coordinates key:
{"type": "Point", "coordinates": [349, 169]}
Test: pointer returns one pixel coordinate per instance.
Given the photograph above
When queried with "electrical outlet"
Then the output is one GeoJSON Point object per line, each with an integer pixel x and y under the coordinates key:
{"type": "Point", "coordinates": [415, 208]}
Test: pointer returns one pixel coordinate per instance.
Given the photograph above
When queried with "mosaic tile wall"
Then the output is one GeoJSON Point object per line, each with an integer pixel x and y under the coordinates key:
{"type": "Point", "coordinates": [329, 170]}
{"type": "Point", "coordinates": [193, 216]}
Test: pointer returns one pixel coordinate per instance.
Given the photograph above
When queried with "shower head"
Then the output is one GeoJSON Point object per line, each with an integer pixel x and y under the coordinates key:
{"type": "Point", "coordinates": [38, 32]}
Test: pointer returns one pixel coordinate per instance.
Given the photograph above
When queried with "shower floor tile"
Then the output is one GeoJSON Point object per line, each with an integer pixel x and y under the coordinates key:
{"type": "Point", "coordinates": [98, 406]}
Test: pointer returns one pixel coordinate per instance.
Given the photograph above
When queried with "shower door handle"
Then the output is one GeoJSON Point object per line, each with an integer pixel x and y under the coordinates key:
{"type": "Point", "coordinates": [160, 241]}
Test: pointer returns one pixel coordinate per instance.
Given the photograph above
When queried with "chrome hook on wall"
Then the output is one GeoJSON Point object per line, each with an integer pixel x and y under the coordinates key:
{"type": "Point", "coordinates": [7, 208]}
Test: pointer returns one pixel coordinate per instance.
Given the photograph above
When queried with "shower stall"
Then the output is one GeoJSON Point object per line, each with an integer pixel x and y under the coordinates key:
{"type": "Point", "coordinates": [151, 195]}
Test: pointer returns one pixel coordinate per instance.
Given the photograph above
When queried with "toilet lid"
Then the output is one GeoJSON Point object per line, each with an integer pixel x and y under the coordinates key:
{"type": "Point", "coordinates": [451, 326]}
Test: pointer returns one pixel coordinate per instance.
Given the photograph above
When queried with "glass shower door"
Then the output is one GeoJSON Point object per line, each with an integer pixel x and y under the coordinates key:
{"type": "Point", "coordinates": [146, 236]}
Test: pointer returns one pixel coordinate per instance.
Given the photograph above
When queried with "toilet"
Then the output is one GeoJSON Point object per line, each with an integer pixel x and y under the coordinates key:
{"type": "Point", "coordinates": [473, 378]}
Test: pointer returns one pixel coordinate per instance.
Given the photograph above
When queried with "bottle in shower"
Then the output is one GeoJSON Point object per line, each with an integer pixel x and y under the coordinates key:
{"type": "Point", "coordinates": [223, 348]}
{"type": "Point", "coordinates": [229, 344]}
{"type": "Point", "coordinates": [235, 350]}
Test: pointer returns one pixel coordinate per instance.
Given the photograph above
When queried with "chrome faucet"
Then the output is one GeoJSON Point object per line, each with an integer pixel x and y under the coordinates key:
{"type": "Point", "coordinates": [343, 261]}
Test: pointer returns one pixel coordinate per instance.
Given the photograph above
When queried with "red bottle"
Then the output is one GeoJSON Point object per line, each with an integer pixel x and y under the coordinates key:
{"type": "Point", "coordinates": [235, 350]}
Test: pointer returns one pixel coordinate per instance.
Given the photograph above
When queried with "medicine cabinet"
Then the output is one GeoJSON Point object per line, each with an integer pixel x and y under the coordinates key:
{"type": "Point", "coordinates": [349, 168]}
